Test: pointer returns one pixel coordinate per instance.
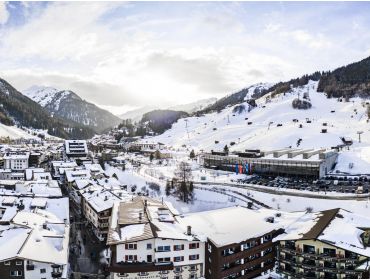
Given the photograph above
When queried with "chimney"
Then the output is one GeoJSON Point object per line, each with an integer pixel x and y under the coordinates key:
{"type": "Point", "coordinates": [44, 226]}
{"type": "Point", "coordinates": [188, 230]}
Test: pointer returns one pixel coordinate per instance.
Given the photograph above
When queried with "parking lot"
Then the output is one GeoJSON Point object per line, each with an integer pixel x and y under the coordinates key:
{"type": "Point", "coordinates": [343, 184]}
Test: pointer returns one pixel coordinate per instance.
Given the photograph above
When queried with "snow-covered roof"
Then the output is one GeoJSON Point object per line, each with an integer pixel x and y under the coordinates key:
{"type": "Point", "coordinates": [24, 156]}
{"type": "Point", "coordinates": [235, 224]}
{"type": "Point", "coordinates": [101, 198]}
{"type": "Point", "coordinates": [37, 236]}
{"type": "Point", "coordinates": [144, 218]}
{"type": "Point", "coordinates": [30, 171]}
{"type": "Point", "coordinates": [336, 227]}
{"type": "Point", "coordinates": [72, 175]}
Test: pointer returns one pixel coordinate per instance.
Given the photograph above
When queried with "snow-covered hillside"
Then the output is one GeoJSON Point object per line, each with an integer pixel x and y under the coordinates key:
{"type": "Point", "coordinates": [41, 94]}
{"type": "Point", "coordinates": [13, 132]}
{"type": "Point", "coordinates": [274, 124]}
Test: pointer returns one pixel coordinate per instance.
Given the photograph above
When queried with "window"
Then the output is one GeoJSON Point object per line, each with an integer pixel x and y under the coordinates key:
{"type": "Point", "coordinates": [210, 248]}
{"type": "Point", "coordinates": [161, 260]}
{"type": "Point", "coordinates": [131, 246]}
{"type": "Point", "coordinates": [149, 258]}
{"type": "Point", "coordinates": [149, 246]}
{"type": "Point", "coordinates": [131, 258]}
{"type": "Point", "coordinates": [15, 273]}
{"type": "Point", "coordinates": [18, 263]}
{"type": "Point", "coordinates": [178, 247]}
{"type": "Point", "coordinates": [193, 257]}
{"type": "Point", "coordinates": [178, 259]}
{"type": "Point", "coordinates": [178, 269]}
{"type": "Point", "coordinates": [192, 276]}
{"type": "Point", "coordinates": [193, 245]}
{"type": "Point", "coordinates": [6, 263]}
{"type": "Point", "coordinates": [164, 248]}
{"type": "Point", "coordinates": [42, 270]}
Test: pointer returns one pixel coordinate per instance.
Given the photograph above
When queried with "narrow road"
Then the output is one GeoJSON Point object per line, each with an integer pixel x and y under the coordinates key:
{"type": "Point", "coordinates": [275, 191]}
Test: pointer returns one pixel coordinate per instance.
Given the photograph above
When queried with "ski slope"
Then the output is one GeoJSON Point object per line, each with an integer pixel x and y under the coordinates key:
{"type": "Point", "coordinates": [13, 132]}
{"type": "Point", "coordinates": [343, 119]}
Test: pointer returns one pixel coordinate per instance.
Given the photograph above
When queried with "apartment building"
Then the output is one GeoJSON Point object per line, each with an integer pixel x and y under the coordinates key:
{"type": "Point", "coordinates": [332, 244]}
{"type": "Point", "coordinates": [96, 204]}
{"type": "Point", "coordinates": [16, 162]}
{"type": "Point", "coordinates": [147, 240]}
{"type": "Point", "coordinates": [239, 240]}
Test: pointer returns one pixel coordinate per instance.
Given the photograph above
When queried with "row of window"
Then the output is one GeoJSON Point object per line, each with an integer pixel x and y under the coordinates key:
{"type": "Point", "coordinates": [166, 259]}
{"type": "Point", "coordinates": [16, 263]}
{"type": "Point", "coordinates": [167, 248]}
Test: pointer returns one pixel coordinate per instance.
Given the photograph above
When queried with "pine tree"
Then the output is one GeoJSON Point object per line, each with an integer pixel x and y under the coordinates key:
{"type": "Point", "coordinates": [168, 188]}
{"type": "Point", "coordinates": [226, 149]}
{"type": "Point", "coordinates": [192, 154]}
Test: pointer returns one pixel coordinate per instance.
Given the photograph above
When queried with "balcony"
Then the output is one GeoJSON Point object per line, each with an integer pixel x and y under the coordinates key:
{"type": "Point", "coordinates": [310, 275]}
{"type": "Point", "coordinates": [238, 267]}
{"type": "Point", "coordinates": [56, 274]}
{"type": "Point", "coordinates": [242, 254]}
{"type": "Point", "coordinates": [123, 267]}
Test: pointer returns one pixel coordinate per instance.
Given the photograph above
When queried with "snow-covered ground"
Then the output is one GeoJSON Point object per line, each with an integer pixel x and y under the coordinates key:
{"type": "Point", "coordinates": [14, 132]}
{"type": "Point", "coordinates": [225, 127]}
{"type": "Point", "coordinates": [295, 203]}
{"type": "Point", "coordinates": [354, 161]}
{"type": "Point", "coordinates": [207, 198]}
{"type": "Point", "coordinates": [204, 200]}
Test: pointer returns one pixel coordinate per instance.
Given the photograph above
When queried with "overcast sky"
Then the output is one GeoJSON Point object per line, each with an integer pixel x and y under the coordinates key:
{"type": "Point", "coordinates": [121, 55]}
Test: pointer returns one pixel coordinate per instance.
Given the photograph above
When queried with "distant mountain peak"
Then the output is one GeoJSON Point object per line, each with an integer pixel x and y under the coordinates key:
{"type": "Point", "coordinates": [68, 105]}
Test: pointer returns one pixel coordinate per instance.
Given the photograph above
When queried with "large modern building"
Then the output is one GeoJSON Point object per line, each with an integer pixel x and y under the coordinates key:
{"type": "Point", "coordinates": [76, 148]}
{"type": "Point", "coordinates": [332, 244]}
{"type": "Point", "coordinates": [147, 241]}
{"type": "Point", "coordinates": [314, 163]}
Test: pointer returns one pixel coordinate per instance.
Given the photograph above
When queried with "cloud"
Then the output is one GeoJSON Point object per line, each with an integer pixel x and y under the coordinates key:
{"type": "Point", "coordinates": [317, 41]}
{"type": "Point", "coordinates": [134, 54]}
{"type": "Point", "coordinates": [4, 13]}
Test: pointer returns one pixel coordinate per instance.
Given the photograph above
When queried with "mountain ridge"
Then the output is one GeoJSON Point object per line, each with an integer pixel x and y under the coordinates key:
{"type": "Point", "coordinates": [67, 105]}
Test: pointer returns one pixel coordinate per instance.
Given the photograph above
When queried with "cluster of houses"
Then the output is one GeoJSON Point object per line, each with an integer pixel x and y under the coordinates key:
{"type": "Point", "coordinates": [34, 216]}
{"type": "Point", "coordinates": [149, 238]}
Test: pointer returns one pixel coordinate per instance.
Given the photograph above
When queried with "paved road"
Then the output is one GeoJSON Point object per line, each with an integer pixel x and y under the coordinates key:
{"type": "Point", "coordinates": [84, 247]}
{"type": "Point", "coordinates": [290, 193]}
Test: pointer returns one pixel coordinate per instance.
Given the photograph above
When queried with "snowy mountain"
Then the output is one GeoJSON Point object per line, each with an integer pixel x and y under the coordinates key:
{"type": "Point", "coordinates": [274, 123]}
{"type": "Point", "coordinates": [17, 109]}
{"type": "Point", "coordinates": [68, 105]}
{"type": "Point", "coordinates": [251, 92]}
